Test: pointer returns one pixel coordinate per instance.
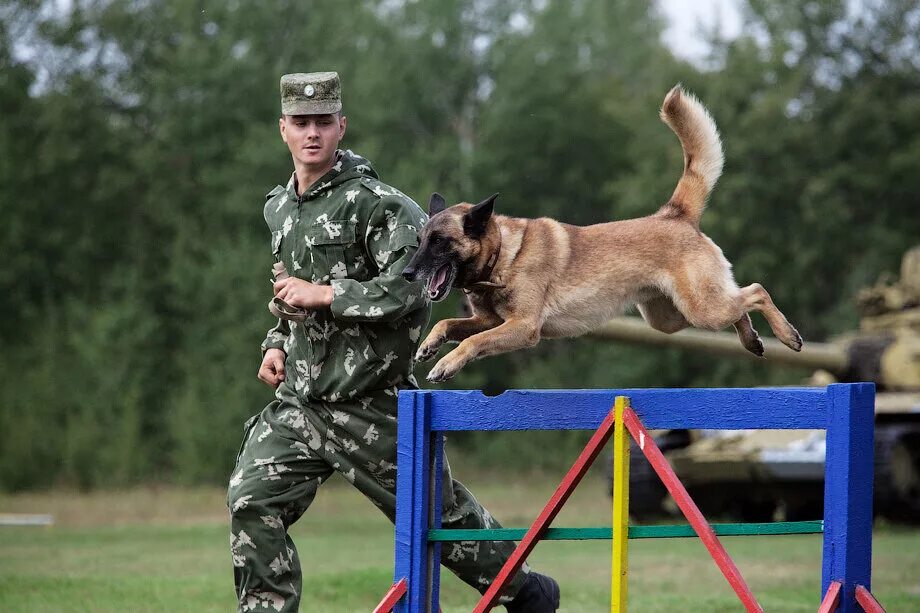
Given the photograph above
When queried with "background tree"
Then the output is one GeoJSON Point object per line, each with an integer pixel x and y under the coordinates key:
{"type": "Point", "coordinates": [137, 141]}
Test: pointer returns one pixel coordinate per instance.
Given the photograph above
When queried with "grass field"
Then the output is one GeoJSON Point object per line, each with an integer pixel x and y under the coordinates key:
{"type": "Point", "coordinates": [166, 549]}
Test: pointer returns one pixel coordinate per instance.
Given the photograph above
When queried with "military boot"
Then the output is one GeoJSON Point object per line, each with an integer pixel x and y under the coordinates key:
{"type": "Point", "coordinates": [539, 594]}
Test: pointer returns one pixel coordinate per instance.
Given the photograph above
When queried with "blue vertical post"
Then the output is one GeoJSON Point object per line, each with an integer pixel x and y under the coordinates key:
{"type": "Point", "coordinates": [413, 483]}
{"type": "Point", "coordinates": [402, 548]}
{"type": "Point", "coordinates": [434, 518]}
{"type": "Point", "coordinates": [848, 473]}
{"type": "Point", "coordinates": [412, 501]}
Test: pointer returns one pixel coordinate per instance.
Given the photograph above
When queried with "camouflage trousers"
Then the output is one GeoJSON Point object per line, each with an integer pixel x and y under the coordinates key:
{"type": "Point", "coordinates": [288, 451]}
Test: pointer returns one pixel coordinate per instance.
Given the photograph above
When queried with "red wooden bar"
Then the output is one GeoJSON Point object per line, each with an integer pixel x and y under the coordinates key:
{"type": "Point", "coordinates": [867, 601]}
{"type": "Point", "coordinates": [831, 599]}
{"type": "Point", "coordinates": [690, 510]}
{"type": "Point", "coordinates": [548, 514]}
{"type": "Point", "coordinates": [390, 599]}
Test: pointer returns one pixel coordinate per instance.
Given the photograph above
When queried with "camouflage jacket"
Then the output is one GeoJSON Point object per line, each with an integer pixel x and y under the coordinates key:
{"type": "Point", "coordinates": [355, 233]}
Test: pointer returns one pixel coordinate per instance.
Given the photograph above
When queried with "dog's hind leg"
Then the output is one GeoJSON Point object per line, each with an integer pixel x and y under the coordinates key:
{"type": "Point", "coordinates": [711, 302]}
{"type": "Point", "coordinates": [755, 297]}
{"type": "Point", "coordinates": [661, 314]}
{"type": "Point", "coordinates": [748, 335]}
{"type": "Point", "coordinates": [453, 330]}
{"type": "Point", "coordinates": [714, 306]}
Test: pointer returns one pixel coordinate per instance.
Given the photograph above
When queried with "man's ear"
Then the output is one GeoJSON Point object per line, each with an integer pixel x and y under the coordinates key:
{"type": "Point", "coordinates": [476, 220]}
{"type": "Point", "coordinates": [281, 128]}
{"type": "Point", "coordinates": [436, 204]}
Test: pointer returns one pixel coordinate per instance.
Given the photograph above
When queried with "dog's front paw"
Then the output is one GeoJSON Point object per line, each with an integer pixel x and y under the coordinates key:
{"type": "Point", "coordinates": [429, 348]}
{"type": "Point", "coordinates": [445, 369]}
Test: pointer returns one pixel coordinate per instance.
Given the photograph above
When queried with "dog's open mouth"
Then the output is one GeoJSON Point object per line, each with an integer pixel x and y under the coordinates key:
{"type": "Point", "coordinates": [440, 282]}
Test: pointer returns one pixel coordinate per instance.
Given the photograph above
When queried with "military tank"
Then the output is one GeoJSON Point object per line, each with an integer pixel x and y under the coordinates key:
{"type": "Point", "coordinates": [761, 475]}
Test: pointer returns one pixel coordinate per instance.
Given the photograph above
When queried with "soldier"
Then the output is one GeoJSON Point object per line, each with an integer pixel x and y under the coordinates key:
{"type": "Point", "coordinates": [349, 325]}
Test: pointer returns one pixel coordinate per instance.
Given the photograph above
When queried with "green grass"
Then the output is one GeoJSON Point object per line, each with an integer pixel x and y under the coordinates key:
{"type": "Point", "coordinates": [151, 550]}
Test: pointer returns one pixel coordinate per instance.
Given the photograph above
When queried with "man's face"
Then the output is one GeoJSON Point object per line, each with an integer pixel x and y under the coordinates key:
{"type": "Point", "coordinates": [312, 139]}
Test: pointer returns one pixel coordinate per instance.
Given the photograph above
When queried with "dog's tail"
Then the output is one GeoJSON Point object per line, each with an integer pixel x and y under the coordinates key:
{"type": "Point", "coordinates": [702, 146]}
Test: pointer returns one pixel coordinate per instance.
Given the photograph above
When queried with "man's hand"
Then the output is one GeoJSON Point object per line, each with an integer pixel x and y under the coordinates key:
{"type": "Point", "coordinates": [299, 293]}
{"type": "Point", "coordinates": [271, 372]}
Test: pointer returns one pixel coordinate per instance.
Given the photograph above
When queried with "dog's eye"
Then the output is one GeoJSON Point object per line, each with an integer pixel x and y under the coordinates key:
{"type": "Point", "coordinates": [435, 239]}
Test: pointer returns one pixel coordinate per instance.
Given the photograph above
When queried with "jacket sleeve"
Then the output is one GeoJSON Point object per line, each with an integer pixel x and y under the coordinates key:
{"type": "Point", "coordinates": [391, 240]}
{"type": "Point", "coordinates": [276, 336]}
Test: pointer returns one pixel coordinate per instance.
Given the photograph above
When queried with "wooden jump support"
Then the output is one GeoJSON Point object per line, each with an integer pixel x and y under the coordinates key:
{"type": "Point", "coordinates": [846, 411]}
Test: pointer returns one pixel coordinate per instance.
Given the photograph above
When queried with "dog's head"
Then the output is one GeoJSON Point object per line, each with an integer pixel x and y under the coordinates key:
{"type": "Point", "coordinates": [453, 245]}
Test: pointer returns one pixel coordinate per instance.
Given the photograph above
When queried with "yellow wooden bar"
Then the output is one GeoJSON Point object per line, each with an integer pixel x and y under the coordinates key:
{"type": "Point", "coordinates": [618, 579]}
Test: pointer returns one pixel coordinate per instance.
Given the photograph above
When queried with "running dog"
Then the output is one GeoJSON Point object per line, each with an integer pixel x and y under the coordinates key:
{"type": "Point", "coordinates": [528, 279]}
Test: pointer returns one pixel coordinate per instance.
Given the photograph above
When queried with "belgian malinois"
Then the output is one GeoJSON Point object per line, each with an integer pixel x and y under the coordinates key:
{"type": "Point", "coordinates": [532, 278]}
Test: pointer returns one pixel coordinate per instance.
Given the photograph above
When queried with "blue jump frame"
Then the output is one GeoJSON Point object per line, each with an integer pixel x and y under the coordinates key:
{"type": "Point", "coordinates": [846, 411]}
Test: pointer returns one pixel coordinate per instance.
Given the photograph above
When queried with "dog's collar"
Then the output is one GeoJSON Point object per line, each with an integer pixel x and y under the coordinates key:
{"type": "Point", "coordinates": [487, 274]}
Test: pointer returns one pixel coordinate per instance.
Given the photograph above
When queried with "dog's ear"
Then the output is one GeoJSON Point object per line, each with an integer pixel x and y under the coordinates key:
{"type": "Point", "coordinates": [476, 220]}
{"type": "Point", "coordinates": [436, 204]}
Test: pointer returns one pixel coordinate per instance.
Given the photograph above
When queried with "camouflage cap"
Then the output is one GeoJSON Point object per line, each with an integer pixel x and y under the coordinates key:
{"type": "Point", "coordinates": [314, 93]}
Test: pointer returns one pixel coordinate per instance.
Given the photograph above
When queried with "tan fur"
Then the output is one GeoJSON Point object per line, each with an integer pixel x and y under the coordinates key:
{"type": "Point", "coordinates": [558, 280]}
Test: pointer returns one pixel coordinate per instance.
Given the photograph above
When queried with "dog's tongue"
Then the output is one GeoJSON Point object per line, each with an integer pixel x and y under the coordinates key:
{"type": "Point", "coordinates": [437, 280]}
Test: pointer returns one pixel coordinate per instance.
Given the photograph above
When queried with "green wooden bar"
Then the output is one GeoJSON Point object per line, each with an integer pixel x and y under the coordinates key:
{"type": "Point", "coordinates": [635, 532]}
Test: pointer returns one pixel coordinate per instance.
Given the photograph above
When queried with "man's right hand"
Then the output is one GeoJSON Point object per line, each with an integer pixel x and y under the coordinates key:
{"type": "Point", "coordinates": [271, 372]}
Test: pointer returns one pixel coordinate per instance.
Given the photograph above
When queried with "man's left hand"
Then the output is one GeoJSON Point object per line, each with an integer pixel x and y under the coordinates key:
{"type": "Point", "coordinates": [299, 293]}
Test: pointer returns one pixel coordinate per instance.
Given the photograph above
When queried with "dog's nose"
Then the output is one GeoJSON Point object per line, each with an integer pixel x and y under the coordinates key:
{"type": "Point", "coordinates": [409, 273]}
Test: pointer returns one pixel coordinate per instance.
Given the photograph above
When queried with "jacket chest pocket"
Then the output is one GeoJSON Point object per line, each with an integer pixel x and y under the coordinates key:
{"type": "Point", "coordinates": [333, 249]}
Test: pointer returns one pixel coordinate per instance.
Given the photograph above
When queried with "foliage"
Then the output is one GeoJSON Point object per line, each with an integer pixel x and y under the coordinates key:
{"type": "Point", "coordinates": [137, 141]}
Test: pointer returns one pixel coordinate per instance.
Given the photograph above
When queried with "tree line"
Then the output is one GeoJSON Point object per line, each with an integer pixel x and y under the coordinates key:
{"type": "Point", "coordinates": [137, 141]}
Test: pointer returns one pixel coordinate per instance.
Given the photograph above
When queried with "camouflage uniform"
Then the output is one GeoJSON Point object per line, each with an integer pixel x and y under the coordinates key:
{"type": "Point", "coordinates": [336, 408]}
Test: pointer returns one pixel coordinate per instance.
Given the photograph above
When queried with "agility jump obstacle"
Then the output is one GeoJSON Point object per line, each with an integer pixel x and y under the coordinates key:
{"type": "Point", "coordinates": [845, 411]}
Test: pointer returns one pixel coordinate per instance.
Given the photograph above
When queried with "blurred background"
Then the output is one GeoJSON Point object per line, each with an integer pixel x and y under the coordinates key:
{"type": "Point", "coordinates": [137, 140]}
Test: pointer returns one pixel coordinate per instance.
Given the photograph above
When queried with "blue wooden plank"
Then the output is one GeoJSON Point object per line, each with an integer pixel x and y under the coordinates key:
{"type": "Point", "coordinates": [730, 409]}
{"type": "Point", "coordinates": [848, 475]}
{"type": "Point", "coordinates": [405, 452]}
